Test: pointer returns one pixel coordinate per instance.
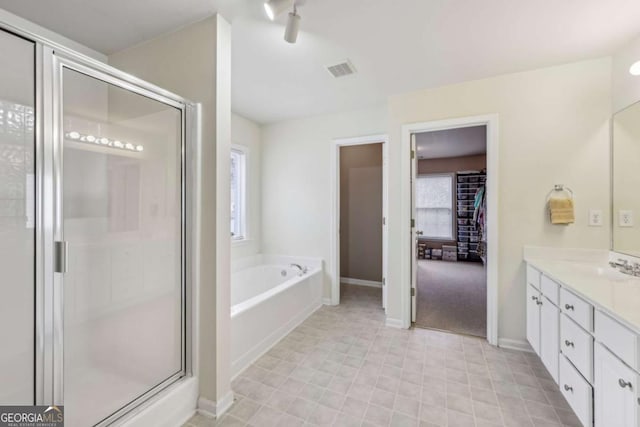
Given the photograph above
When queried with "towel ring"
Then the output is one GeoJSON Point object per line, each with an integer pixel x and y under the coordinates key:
{"type": "Point", "coordinates": [557, 188]}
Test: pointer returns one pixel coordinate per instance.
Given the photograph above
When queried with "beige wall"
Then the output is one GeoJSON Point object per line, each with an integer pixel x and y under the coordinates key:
{"type": "Point", "coordinates": [553, 129]}
{"type": "Point", "coordinates": [452, 164]}
{"type": "Point", "coordinates": [195, 62]}
{"type": "Point", "coordinates": [296, 189]}
{"type": "Point", "coordinates": [247, 133]}
{"type": "Point", "coordinates": [361, 212]}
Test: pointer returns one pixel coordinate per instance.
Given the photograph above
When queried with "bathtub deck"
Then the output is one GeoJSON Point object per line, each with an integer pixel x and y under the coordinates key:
{"type": "Point", "coordinates": [343, 367]}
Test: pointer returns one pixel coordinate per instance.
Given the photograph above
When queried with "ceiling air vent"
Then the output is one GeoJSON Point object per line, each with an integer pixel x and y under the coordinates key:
{"type": "Point", "coordinates": [341, 69]}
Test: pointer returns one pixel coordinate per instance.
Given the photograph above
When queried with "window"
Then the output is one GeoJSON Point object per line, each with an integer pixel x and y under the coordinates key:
{"type": "Point", "coordinates": [238, 194]}
{"type": "Point", "coordinates": [434, 206]}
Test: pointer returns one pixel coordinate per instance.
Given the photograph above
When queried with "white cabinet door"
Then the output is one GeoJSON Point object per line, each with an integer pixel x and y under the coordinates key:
{"type": "Point", "coordinates": [533, 318]}
{"type": "Point", "coordinates": [549, 336]}
{"type": "Point", "coordinates": [615, 391]}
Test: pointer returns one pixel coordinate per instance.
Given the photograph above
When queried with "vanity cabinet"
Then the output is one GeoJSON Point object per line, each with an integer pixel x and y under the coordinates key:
{"type": "Point", "coordinates": [594, 358]}
{"type": "Point", "coordinates": [543, 318]}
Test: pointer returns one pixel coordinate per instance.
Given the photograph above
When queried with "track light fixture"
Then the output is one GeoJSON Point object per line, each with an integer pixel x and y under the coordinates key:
{"type": "Point", "coordinates": [273, 8]}
{"type": "Point", "coordinates": [293, 26]}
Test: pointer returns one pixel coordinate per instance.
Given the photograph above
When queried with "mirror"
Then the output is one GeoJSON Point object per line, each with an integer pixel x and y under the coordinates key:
{"type": "Point", "coordinates": [625, 154]}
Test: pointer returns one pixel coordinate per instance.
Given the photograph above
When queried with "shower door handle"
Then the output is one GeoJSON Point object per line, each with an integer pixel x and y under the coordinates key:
{"type": "Point", "coordinates": [60, 262]}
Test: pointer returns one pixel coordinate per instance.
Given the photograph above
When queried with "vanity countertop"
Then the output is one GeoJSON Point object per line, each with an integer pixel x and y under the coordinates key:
{"type": "Point", "coordinates": [608, 290]}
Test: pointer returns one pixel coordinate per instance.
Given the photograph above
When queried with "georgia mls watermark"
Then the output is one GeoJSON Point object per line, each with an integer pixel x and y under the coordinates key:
{"type": "Point", "coordinates": [31, 416]}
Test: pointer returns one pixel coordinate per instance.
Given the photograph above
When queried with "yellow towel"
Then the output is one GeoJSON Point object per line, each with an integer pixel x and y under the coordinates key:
{"type": "Point", "coordinates": [561, 211]}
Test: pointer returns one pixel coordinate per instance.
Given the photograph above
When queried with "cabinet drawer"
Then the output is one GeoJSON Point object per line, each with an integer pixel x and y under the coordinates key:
{"type": "Point", "coordinates": [577, 309]}
{"type": "Point", "coordinates": [621, 341]}
{"type": "Point", "coordinates": [533, 277]}
{"type": "Point", "coordinates": [549, 289]}
{"type": "Point", "coordinates": [577, 345]}
{"type": "Point", "coordinates": [577, 391]}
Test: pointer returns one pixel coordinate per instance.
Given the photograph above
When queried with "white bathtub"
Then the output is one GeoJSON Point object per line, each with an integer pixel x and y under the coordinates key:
{"type": "Point", "coordinates": [268, 299]}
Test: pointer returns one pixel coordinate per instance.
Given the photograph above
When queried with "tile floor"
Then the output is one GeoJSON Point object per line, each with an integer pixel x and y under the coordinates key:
{"type": "Point", "coordinates": [343, 367]}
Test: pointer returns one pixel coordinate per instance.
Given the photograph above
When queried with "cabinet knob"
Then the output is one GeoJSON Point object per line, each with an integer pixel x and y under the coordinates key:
{"type": "Point", "coordinates": [568, 388]}
{"type": "Point", "coordinates": [539, 302]}
{"type": "Point", "coordinates": [624, 384]}
{"type": "Point", "coordinates": [535, 298]}
{"type": "Point", "coordinates": [568, 343]}
{"type": "Point", "coordinates": [568, 307]}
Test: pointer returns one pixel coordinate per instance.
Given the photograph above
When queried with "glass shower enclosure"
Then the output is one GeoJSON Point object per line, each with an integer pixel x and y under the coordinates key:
{"type": "Point", "coordinates": [94, 233]}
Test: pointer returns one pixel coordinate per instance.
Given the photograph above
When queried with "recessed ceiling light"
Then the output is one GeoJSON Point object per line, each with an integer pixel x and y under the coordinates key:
{"type": "Point", "coordinates": [634, 70]}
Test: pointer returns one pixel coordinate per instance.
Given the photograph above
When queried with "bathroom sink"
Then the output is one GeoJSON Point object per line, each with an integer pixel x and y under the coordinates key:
{"type": "Point", "coordinates": [613, 274]}
{"type": "Point", "coordinates": [606, 272]}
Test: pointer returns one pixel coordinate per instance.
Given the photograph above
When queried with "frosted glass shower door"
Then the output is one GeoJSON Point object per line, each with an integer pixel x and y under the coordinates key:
{"type": "Point", "coordinates": [17, 220]}
{"type": "Point", "coordinates": [122, 216]}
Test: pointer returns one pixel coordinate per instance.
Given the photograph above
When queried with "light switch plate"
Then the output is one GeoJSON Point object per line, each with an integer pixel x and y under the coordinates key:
{"type": "Point", "coordinates": [625, 218]}
{"type": "Point", "coordinates": [595, 218]}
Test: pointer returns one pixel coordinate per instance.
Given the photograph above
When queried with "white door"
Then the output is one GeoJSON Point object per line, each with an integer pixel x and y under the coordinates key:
{"type": "Point", "coordinates": [616, 391]}
{"type": "Point", "coordinates": [549, 336]}
{"type": "Point", "coordinates": [533, 318]}
{"type": "Point", "coordinates": [385, 226]}
{"type": "Point", "coordinates": [414, 263]}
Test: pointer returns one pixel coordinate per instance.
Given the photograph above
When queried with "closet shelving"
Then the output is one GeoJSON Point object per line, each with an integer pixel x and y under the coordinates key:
{"type": "Point", "coordinates": [468, 235]}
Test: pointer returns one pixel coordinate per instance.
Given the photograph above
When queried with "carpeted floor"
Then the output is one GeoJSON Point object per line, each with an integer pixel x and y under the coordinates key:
{"type": "Point", "coordinates": [452, 296]}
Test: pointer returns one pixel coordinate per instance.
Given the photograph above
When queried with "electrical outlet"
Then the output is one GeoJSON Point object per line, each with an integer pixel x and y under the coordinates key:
{"type": "Point", "coordinates": [595, 218]}
{"type": "Point", "coordinates": [625, 218]}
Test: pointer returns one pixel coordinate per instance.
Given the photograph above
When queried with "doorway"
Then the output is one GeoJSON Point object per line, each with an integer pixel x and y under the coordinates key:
{"type": "Point", "coordinates": [409, 239]}
{"type": "Point", "coordinates": [359, 200]}
{"type": "Point", "coordinates": [450, 216]}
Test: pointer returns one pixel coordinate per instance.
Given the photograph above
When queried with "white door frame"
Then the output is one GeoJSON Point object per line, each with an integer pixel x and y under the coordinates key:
{"type": "Point", "coordinates": [334, 268]}
{"type": "Point", "coordinates": [491, 122]}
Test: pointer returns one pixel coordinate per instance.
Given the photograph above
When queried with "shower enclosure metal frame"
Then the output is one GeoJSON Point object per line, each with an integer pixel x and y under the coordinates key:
{"type": "Point", "coordinates": [50, 60]}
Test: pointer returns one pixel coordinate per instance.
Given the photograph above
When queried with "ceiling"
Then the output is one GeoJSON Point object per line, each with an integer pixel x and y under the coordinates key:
{"type": "Point", "coordinates": [396, 46]}
{"type": "Point", "coordinates": [459, 142]}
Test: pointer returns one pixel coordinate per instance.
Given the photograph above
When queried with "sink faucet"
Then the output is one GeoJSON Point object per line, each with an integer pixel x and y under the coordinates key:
{"type": "Point", "coordinates": [625, 267]}
{"type": "Point", "coordinates": [303, 270]}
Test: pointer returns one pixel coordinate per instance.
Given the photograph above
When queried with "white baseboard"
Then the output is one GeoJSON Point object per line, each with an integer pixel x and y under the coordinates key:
{"type": "Point", "coordinates": [215, 409]}
{"type": "Point", "coordinates": [327, 301]}
{"type": "Point", "coordinates": [172, 407]}
{"type": "Point", "coordinates": [360, 282]}
{"type": "Point", "coordinates": [244, 361]}
{"type": "Point", "coordinates": [510, 344]}
{"type": "Point", "coordinates": [393, 323]}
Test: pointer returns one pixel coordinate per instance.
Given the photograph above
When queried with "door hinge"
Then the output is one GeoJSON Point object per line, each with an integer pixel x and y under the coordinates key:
{"type": "Point", "coordinates": [413, 154]}
{"type": "Point", "coordinates": [384, 221]}
{"type": "Point", "coordinates": [60, 258]}
{"type": "Point", "coordinates": [413, 223]}
{"type": "Point", "coordinates": [413, 292]}
{"type": "Point", "coordinates": [384, 281]}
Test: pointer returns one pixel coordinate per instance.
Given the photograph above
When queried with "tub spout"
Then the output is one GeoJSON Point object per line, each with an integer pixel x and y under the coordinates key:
{"type": "Point", "coordinates": [303, 270]}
